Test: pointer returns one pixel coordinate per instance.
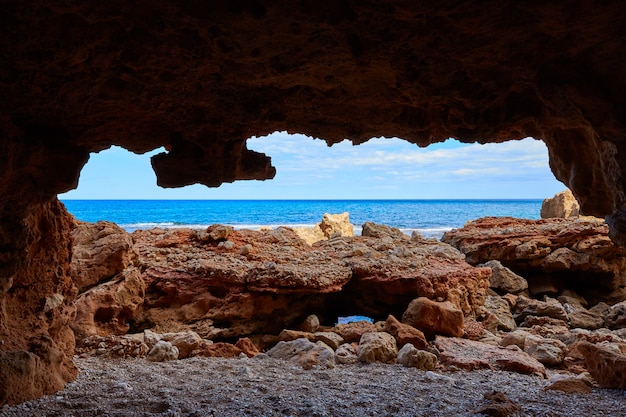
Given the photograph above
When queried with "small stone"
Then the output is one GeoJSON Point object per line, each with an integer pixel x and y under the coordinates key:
{"type": "Point", "coordinates": [346, 354]}
{"type": "Point", "coordinates": [246, 250]}
{"type": "Point", "coordinates": [163, 351]}
{"type": "Point", "coordinates": [377, 347]}
{"type": "Point", "coordinates": [410, 356]}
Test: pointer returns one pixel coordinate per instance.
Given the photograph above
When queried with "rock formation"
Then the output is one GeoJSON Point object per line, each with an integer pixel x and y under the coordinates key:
{"type": "Point", "coordinates": [567, 253]}
{"type": "Point", "coordinates": [562, 205]}
{"type": "Point", "coordinates": [199, 78]}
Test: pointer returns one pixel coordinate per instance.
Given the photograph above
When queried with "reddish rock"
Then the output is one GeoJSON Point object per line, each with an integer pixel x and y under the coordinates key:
{"type": "Point", "coordinates": [470, 355]}
{"type": "Point", "coordinates": [607, 365]}
{"type": "Point", "coordinates": [220, 350]}
{"type": "Point", "coordinates": [37, 307]}
{"type": "Point", "coordinates": [433, 318]}
{"type": "Point", "coordinates": [405, 333]}
{"type": "Point", "coordinates": [288, 335]}
{"type": "Point", "coordinates": [576, 251]}
{"type": "Point", "coordinates": [407, 269]}
{"type": "Point", "coordinates": [569, 385]}
{"type": "Point", "coordinates": [247, 347]}
{"type": "Point", "coordinates": [100, 251]}
{"type": "Point", "coordinates": [107, 308]}
{"type": "Point", "coordinates": [352, 332]}
{"type": "Point", "coordinates": [498, 405]}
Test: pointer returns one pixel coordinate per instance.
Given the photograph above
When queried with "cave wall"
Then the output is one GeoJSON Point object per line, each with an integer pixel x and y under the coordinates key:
{"type": "Point", "coordinates": [199, 77]}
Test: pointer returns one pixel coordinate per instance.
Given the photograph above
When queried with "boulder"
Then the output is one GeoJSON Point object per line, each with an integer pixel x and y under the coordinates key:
{"type": "Point", "coordinates": [410, 356]}
{"type": "Point", "coordinates": [569, 385]}
{"type": "Point", "coordinates": [346, 354]}
{"type": "Point", "coordinates": [499, 307]}
{"type": "Point", "coordinates": [380, 231]}
{"type": "Point", "coordinates": [498, 404]}
{"type": "Point", "coordinates": [575, 252]}
{"type": "Point", "coordinates": [107, 308]}
{"type": "Point", "coordinates": [247, 347]}
{"type": "Point", "coordinates": [186, 342]}
{"type": "Point", "coordinates": [562, 205]}
{"type": "Point", "coordinates": [219, 350]}
{"type": "Point", "coordinates": [606, 364]}
{"type": "Point", "coordinates": [615, 317]}
{"type": "Point", "coordinates": [310, 324]}
{"type": "Point", "coordinates": [100, 251]}
{"type": "Point", "coordinates": [434, 318]}
{"type": "Point", "coordinates": [332, 225]}
{"type": "Point", "coordinates": [163, 351]}
{"type": "Point", "coordinates": [405, 333]}
{"type": "Point", "coordinates": [377, 347]}
{"type": "Point", "coordinates": [305, 353]}
{"type": "Point", "coordinates": [470, 355]}
{"type": "Point", "coordinates": [331, 339]}
{"type": "Point", "coordinates": [580, 317]}
{"type": "Point", "coordinates": [503, 279]}
{"type": "Point", "coordinates": [549, 352]}
{"type": "Point", "coordinates": [352, 332]}
{"type": "Point", "coordinates": [551, 308]}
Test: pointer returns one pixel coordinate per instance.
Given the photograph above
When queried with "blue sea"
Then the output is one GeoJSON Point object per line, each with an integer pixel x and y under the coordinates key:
{"type": "Point", "coordinates": [430, 217]}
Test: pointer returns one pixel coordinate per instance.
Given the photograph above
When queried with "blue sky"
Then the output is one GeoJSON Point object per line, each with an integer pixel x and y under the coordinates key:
{"type": "Point", "coordinates": [379, 169]}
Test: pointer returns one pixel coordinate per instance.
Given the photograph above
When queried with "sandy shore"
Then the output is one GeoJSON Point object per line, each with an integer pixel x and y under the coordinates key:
{"type": "Point", "coordinates": [268, 387]}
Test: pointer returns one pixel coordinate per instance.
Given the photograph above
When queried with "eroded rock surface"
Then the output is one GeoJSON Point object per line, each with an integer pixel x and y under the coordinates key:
{"type": "Point", "coordinates": [564, 253]}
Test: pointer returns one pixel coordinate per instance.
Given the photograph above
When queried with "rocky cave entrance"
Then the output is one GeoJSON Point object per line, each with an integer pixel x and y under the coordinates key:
{"type": "Point", "coordinates": [386, 160]}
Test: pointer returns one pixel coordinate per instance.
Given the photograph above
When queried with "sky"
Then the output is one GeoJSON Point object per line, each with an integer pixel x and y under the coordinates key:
{"type": "Point", "coordinates": [382, 168]}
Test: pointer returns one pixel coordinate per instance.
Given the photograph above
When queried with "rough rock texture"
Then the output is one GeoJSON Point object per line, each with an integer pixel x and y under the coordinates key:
{"type": "Point", "coordinates": [410, 356]}
{"type": "Point", "coordinates": [377, 347]}
{"type": "Point", "coordinates": [213, 289]}
{"type": "Point", "coordinates": [606, 365]}
{"type": "Point", "coordinates": [332, 225]}
{"type": "Point", "coordinates": [570, 253]}
{"type": "Point", "coordinates": [201, 77]}
{"type": "Point", "coordinates": [100, 251]}
{"type": "Point", "coordinates": [562, 205]}
{"type": "Point", "coordinates": [36, 310]}
{"type": "Point", "coordinates": [469, 354]}
{"type": "Point", "coordinates": [433, 318]}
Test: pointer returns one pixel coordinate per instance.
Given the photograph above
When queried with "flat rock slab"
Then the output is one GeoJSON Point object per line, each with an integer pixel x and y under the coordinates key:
{"type": "Point", "coordinates": [470, 355]}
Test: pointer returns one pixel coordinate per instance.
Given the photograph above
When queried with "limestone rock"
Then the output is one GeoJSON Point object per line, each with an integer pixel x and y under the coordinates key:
{"type": "Point", "coordinates": [569, 385]}
{"type": "Point", "coordinates": [503, 279]}
{"type": "Point", "coordinates": [410, 356]}
{"type": "Point", "coordinates": [549, 352]}
{"type": "Point", "coordinates": [304, 352]}
{"type": "Point", "coordinates": [62, 101]}
{"type": "Point", "coordinates": [219, 350]}
{"type": "Point", "coordinates": [616, 316]}
{"type": "Point", "coordinates": [433, 318]}
{"type": "Point", "coordinates": [288, 335]}
{"type": "Point", "coordinates": [469, 355]}
{"type": "Point", "coordinates": [500, 308]}
{"type": "Point", "coordinates": [562, 205]}
{"type": "Point", "coordinates": [331, 339]}
{"type": "Point", "coordinates": [606, 365]}
{"type": "Point", "coordinates": [377, 347]}
{"type": "Point", "coordinates": [516, 338]}
{"type": "Point", "coordinates": [163, 351]}
{"type": "Point", "coordinates": [405, 333]}
{"type": "Point", "coordinates": [346, 354]}
{"type": "Point", "coordinates": [99, 252]}
{"type": "Point", "coordinates": [107, 308]}
{"type": "Point", "coordinates": [577, 251]}
{"type": "Point", "coordinates": [247, 347]}
{"type": "Point", "coordinates": [498, 404]}
{"type": "Point", "coordinates": [126, 346]}
{"type": "Point", "coordinates": [332, 225]}
{"type": "Point", "coordinates": [525, 307]}
{"type": "Point", "coordinates": [310, 324]}
{"type": "Point", "coordinates": [380, 231]}
{"type": "Point", "coordinates": [580, 317]}
{"type": "Point", "coordinates": [352, 332]}
{"type": "Point", "coordinates": [36, 303]}
{"type": "Point", "coordinates": [186, 342]}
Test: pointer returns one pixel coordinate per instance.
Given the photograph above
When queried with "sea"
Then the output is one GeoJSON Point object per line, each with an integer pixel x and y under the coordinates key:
{"type": "Point", "coordinates": [429, 217]}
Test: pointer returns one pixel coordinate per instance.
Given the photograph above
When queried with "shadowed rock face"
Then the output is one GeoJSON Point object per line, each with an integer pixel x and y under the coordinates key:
{"type": "Point", "coordinates": [200, 77]}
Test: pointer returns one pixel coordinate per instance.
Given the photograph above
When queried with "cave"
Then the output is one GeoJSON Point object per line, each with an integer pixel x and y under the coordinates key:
{"type": "Point", "coordinates": [198, 78]}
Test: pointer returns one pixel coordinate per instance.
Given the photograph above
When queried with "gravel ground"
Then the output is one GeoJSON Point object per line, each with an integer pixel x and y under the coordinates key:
{"type": "Point", "coordinates": [270, 387]}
